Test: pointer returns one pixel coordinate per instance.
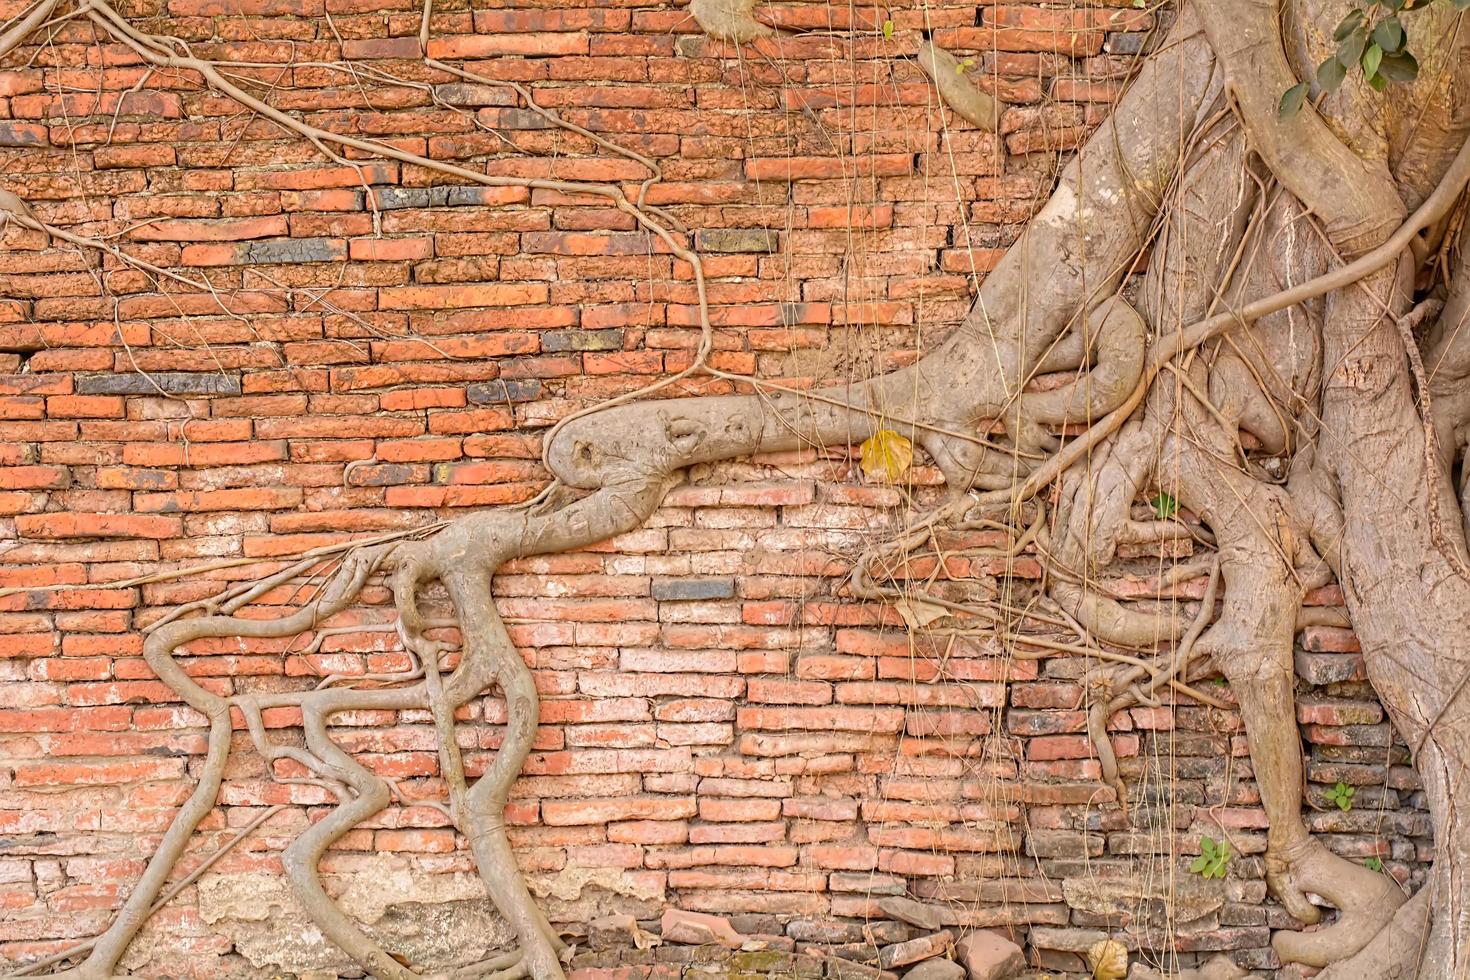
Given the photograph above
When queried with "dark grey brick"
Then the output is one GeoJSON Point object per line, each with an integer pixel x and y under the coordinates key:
{"type": "Point", "coordinates": [1125, 43]}
{"type": "Point", "coordinates": [500, 391]}
{"type": "Point", "coordinates": [393, 198]}
{"type": "Point", "coordinates": [386, 475]}
{"type": "Point", "coordinates": [569, 340]}
{"type": "Point", "coordinates": [294, 250]}
{"type": "Point", "coordinates": [172, 382]}
{"type": "Point", "coordinates": [738, 240]}
{"type": "Point", "coordinates": [684, 589]}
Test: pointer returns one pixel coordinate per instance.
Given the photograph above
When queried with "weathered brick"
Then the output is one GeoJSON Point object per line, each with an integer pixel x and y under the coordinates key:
{"type": "Point", "coordinates": [722, 726]}
{"type": "Point", "coordinates": [756, 240]}
{"type": "Point", "coordinates": [153, 383]}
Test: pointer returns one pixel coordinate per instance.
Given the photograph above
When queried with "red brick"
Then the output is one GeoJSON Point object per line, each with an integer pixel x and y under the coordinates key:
{"type": "Point", "coordinates": [389, 249]}
{"type": "Point", "coordinates": [64, 525]}
{"type": "Point", "coordinates": [213, 229]}
{"type": "Point", "coordinates": [492, 45]}
{"type": "Point", "coordinates": [446, 297]}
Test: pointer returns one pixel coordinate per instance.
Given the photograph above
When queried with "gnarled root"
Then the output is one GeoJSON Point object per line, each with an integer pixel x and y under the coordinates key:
{"type": "Point", "coordinates": [1115, 337]}
{"type": "Point", "coordinates": [1394, 952]}
{"type": "Point", "coordinates": [1366, 902]}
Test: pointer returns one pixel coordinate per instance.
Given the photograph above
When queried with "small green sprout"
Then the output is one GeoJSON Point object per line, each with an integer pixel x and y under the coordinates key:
{"type": "Point", "coordinates": [1214, 859]}
{"type": "Point", "coordinates": [1342, 794]}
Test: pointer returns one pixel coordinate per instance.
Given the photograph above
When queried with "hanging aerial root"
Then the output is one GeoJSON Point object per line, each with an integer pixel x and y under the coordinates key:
{"type": "Point", "coordinates": [1124, 687]}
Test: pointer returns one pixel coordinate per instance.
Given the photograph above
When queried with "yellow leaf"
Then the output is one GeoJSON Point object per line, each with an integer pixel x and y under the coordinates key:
{"type": "Point", "coordinates": [917, 614]}
{"type": "Point", "coordinates": [1108, 959]}
{"type": "Point", "coordinates": [887, 455]}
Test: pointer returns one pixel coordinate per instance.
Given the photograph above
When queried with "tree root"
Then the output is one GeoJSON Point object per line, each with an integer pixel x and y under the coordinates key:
{"type": "Point", "coordinates": [1394, 952]}
{"type": "Point", "coordinates": [964, 98]}
{"type": "Point", "coordinates": [729, 20]}
{"type": "Point", "coordinates": [1366, 902]}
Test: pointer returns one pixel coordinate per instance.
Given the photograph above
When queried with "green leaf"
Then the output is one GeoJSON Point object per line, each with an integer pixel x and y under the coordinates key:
{"type": "Point", "coordinates": [1389, 35]}
{"type": "Point", "coordinates": [1350, 51]}
{"type": "Point", "coordinates": [1207, 846]}
{"type": "Point", "coordinates": [1401, 67]}
{"type": "Point", "coordinates": [1199, 864]}
{"type": "Point", "coordinates": [888, 28]}
{"type": "Point", "coordinates": [1330, 74]}
{"type": "Point", "coordinates": [1391, 4]}
{"type": "Point", "coordinates": [1373, 864]}
{"type": "Point", "coordinates": [1372, 57]}
{"type": "Point", "coordinates": [1378, 83]}
{"type": "Point", "coordinates": [1349, 24]}
{"type": "Point", "coordinates": [1165, 506]}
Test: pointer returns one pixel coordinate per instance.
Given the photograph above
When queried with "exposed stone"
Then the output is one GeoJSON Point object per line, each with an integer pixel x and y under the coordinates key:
{"type": "Point", "coordinates": [752, 923]}
{"type": "Point", "coordinates": [737, 240]}
{"type": "Point", "coordinates": [762, 962]}
{"type": "Point", "coordinates": [937, 968]}
{"type": "Point", "coordinates": [617, 931]}
{"type": "Point", "coordinates": [1219, 967]}
{"type": "Point", "coordinates": [577, 894]}
{"type": "Point", "coordinates": [698, 929]}
{"type": "Point", "coordinates": [1065, 939]}
{"type": "Point", "coordinates": [867, 883]}
{"type": "Point", "coordinates": [1147, 903]}
{"type": "Point", "coordinates": [989, 956]}
{"type": "Point", "coordinates": [902, 954]}
{"type": "Point", "coordinates": [842, 969]}
{"type": "Point", "coordinates": [431, 919]}
{"type": "Point", "coordinates": [912, 912]}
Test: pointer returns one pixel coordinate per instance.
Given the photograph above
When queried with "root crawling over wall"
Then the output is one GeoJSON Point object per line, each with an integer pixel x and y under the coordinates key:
{"type": "Point", "coordinates": [1243, 382]}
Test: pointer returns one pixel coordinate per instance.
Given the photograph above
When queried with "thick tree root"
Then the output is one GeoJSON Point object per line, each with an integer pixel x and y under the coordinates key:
{"type": "Point", "coordinates": [1394, 953]}
{"type": "Point", "coordinates": [1366, 902]}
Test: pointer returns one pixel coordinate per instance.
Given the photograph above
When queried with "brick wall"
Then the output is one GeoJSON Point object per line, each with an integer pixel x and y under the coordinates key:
{"type": "Point", "coordinates": [722, 731]}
